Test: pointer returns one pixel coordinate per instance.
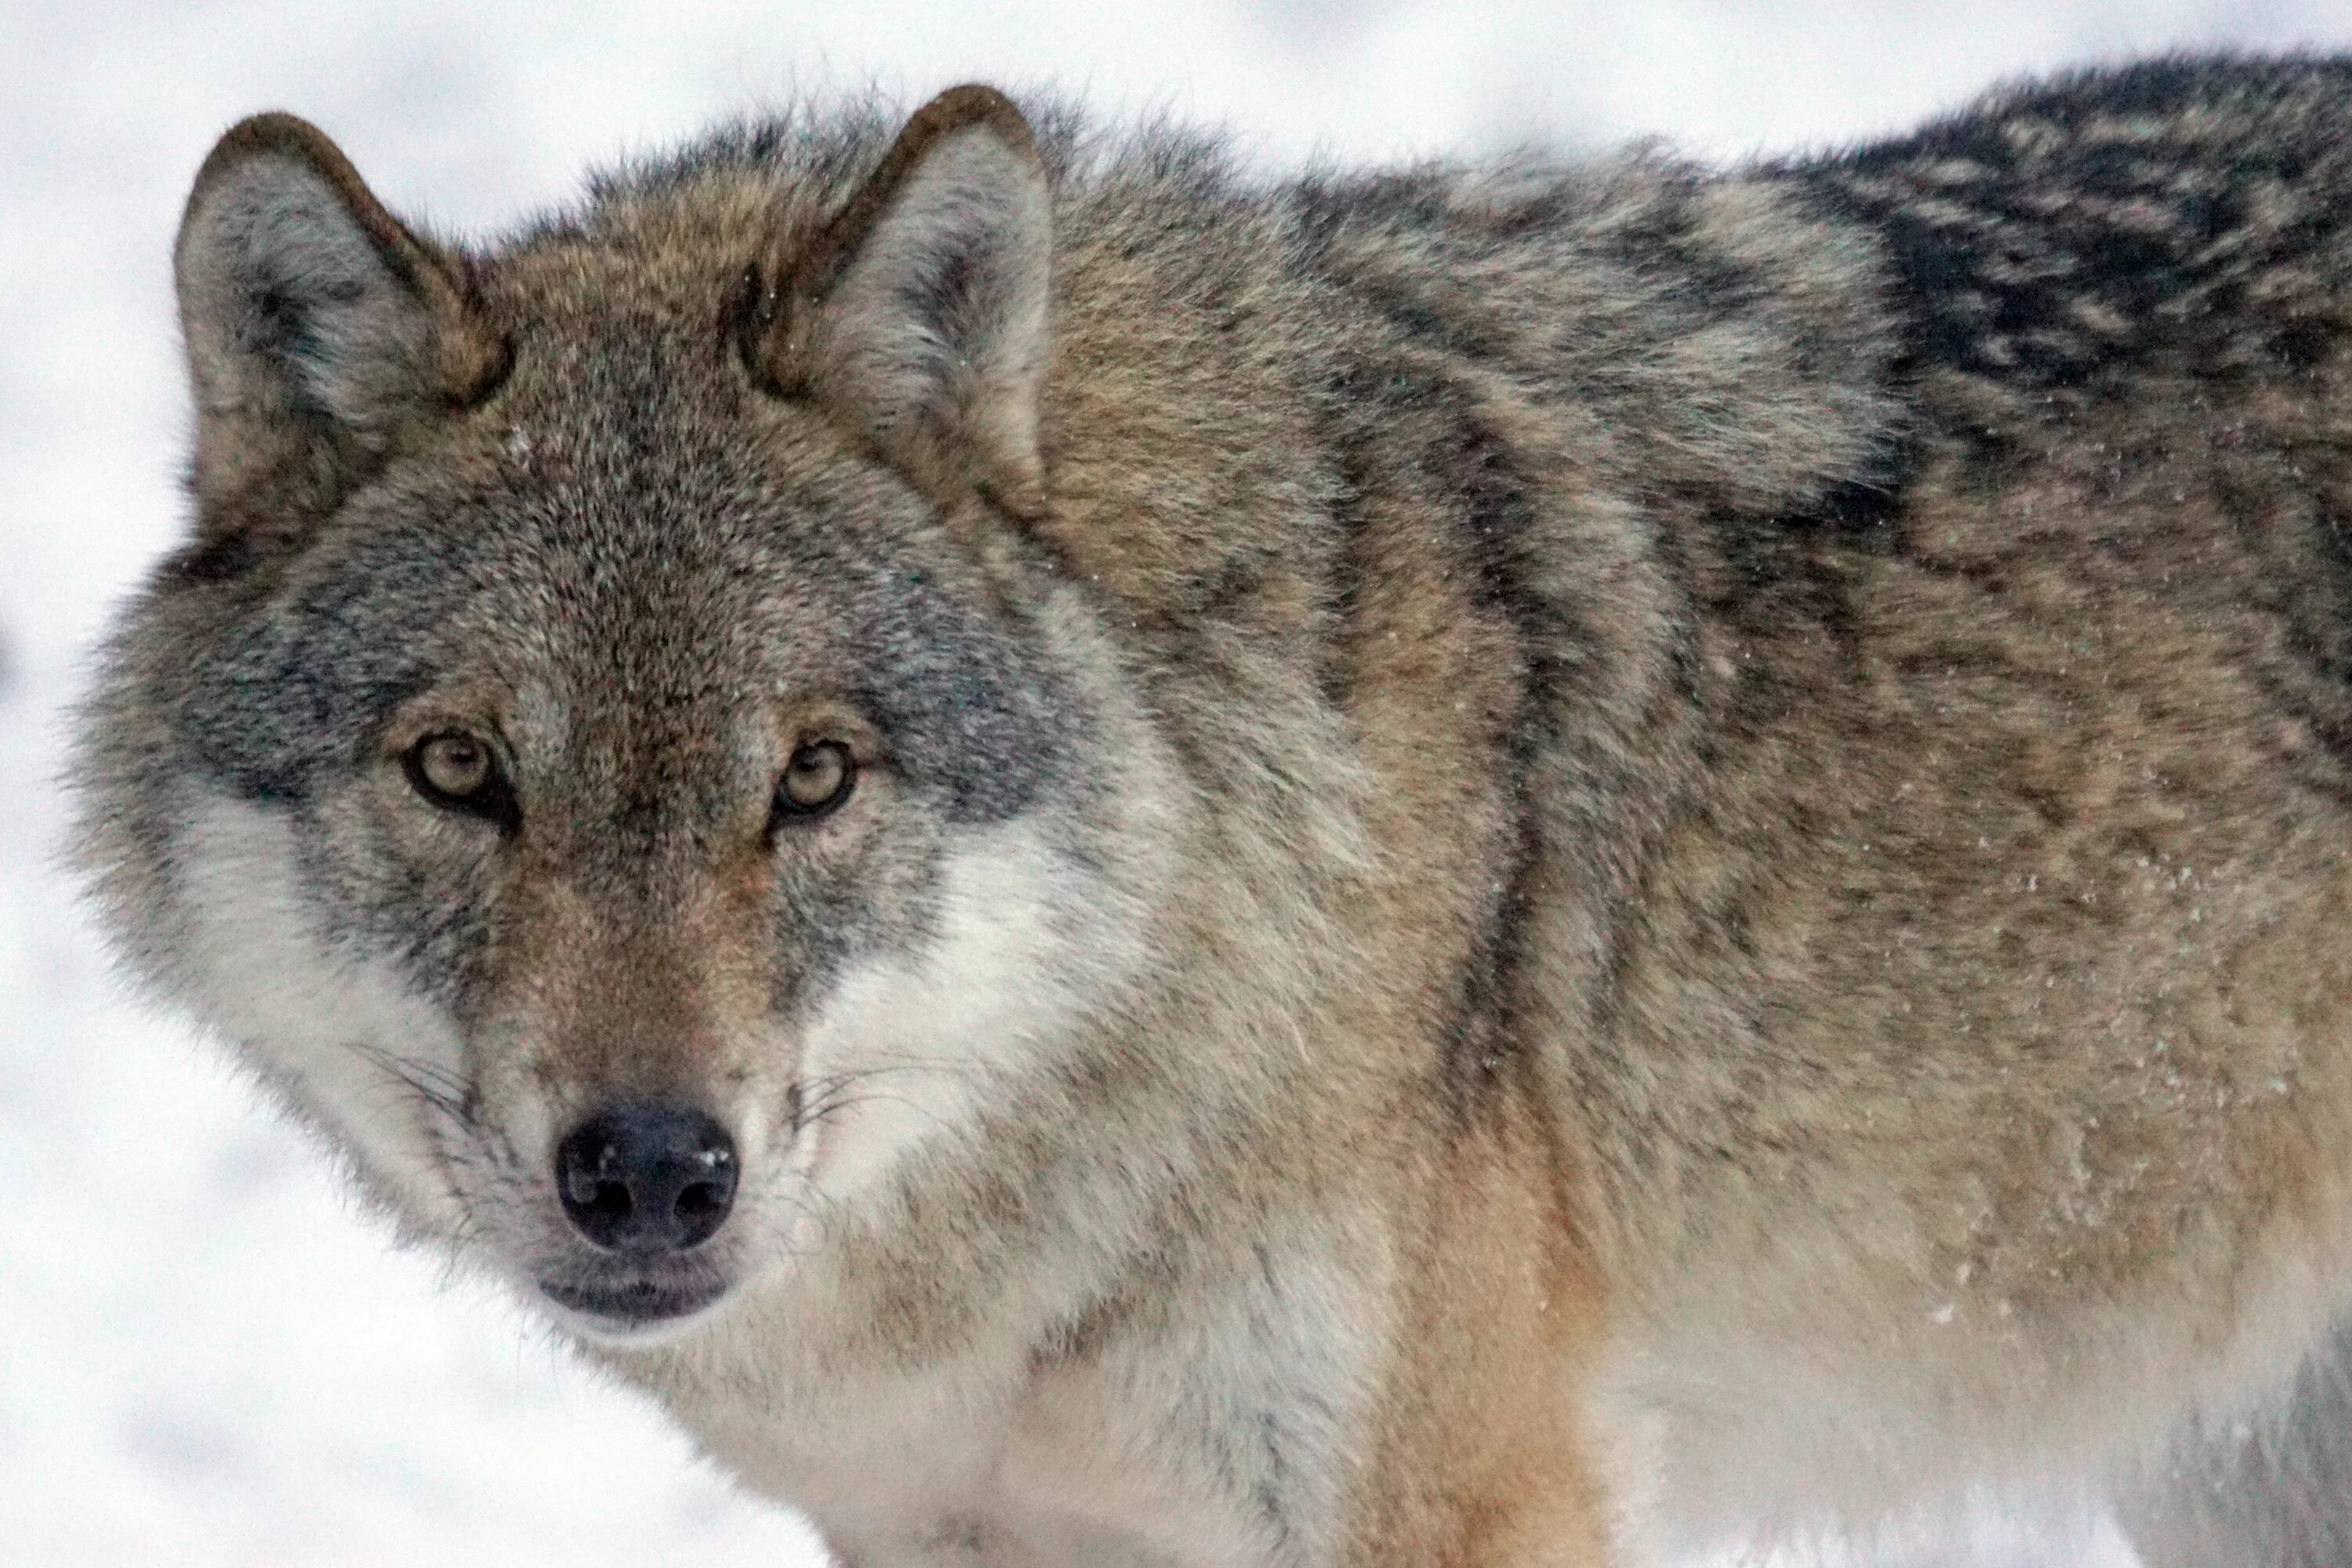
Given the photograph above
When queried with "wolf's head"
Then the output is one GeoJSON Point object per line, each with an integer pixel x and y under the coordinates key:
{"type": "Point", "coordinates": [610, 752]}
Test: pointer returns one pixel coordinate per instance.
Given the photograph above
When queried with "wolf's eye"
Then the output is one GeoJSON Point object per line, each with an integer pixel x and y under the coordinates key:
{"type": "Point", "coordinates": [455, 765]}
{"type": "Point", "coordinates": [461, 772]}
{"type": "Point", "coordinates": [818, 778]}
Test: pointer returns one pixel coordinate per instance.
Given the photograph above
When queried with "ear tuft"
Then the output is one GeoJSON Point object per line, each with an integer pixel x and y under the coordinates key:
{"type": "Point", "coordinates": [919, 315]}
{"type": "Point", "coordinates": [317, 328]}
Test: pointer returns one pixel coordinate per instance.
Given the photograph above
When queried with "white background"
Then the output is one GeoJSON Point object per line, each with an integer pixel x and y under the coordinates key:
{"type": "Point", "coordinates": [205, 1357]}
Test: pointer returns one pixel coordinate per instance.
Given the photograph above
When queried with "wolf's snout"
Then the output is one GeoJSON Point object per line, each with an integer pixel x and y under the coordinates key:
{"type": "Point", "coordinates": [647, 1176]}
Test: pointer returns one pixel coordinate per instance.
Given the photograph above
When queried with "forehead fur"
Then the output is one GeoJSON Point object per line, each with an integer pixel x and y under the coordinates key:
{"type": "Point", "coordinates": [653, 627]}
{"type": "Point", "coordinates": [629, 520]}
{"type": "Point", "coordinates": [630, 527]}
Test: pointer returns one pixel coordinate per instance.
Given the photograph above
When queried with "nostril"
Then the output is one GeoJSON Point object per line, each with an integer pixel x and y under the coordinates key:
{"type": "Point", "coordinates": [699, 1201]}
{"type": "Point", "coordinates": [647, 1176]}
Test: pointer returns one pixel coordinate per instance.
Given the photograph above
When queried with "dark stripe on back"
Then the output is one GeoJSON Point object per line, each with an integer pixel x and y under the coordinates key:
{"type": "Point", "coordinates": [2058, 236]}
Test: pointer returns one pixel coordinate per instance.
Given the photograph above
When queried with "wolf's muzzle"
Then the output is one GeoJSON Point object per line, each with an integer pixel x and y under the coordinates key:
{"type": "Point", "coordinates": [647, 1177]}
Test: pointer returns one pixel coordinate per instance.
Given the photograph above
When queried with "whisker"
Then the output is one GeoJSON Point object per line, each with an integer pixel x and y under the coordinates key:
{"type": "Point", "coordinates": [835, 1106]}
{"type": "Point", "coordinates": [435, 1086]}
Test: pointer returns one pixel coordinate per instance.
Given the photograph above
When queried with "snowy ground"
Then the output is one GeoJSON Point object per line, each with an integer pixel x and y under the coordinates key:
{"type": "Point", "coordinates": [208, 1357]}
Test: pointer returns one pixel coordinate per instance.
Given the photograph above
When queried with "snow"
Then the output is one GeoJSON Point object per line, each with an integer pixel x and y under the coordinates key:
{"type": "Point", "coordinates": [209, 1357]}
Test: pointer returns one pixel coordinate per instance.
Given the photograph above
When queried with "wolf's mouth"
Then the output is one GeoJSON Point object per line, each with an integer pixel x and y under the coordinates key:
{"type": "Point", "coordinates": [635, 1304]}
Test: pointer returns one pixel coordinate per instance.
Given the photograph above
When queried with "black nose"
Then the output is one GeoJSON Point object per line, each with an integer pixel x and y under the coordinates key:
{"type": "Point", "coordinates": [647, 1176]}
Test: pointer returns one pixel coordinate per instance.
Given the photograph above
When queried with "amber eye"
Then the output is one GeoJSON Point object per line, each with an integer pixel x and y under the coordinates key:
{"type": "Point", "coordinates": [454, 765]}
{"type": "Point", "coordinates": [461, 772]}
{"type": "Point", "coordinates": [818, 778]}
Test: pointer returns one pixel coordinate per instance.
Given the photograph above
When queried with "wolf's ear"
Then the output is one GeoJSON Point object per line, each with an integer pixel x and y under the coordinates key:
{"type": "Point", "coordinates": [317, 328]}
{"type": "Point", "coordinates": [918, 315]}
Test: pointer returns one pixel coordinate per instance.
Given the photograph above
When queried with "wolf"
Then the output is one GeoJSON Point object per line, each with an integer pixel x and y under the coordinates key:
{"type": "Point", "coordinates": [1541, 861]}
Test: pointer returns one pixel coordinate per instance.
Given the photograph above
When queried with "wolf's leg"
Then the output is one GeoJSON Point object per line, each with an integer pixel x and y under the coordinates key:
{"type": "Point", "coordinates": [2274, 1492]}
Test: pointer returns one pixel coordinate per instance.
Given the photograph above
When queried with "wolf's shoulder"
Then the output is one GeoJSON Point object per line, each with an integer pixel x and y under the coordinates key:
{"type": "Point", "coordinates": [2061, 231]}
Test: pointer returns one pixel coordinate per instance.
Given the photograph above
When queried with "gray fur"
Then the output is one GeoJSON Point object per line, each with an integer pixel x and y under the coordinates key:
{"type": "Point", "coordinates": [2265, 1492]}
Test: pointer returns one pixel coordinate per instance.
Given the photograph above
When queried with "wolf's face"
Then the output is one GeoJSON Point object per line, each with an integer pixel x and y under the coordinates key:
{"type": "Point", "coordinates": [620, 799]}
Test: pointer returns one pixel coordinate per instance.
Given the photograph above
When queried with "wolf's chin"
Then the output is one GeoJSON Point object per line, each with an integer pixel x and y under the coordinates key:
{"type": "Point", "coordinates": [639, 1316]}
